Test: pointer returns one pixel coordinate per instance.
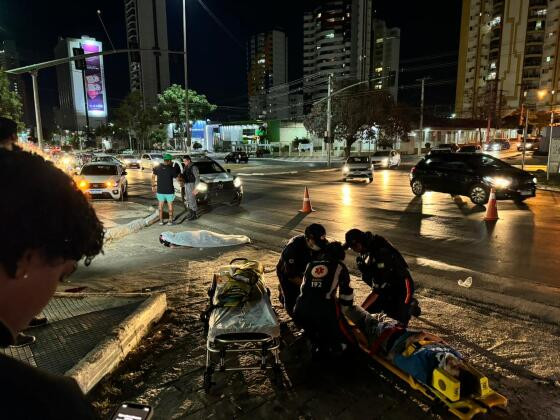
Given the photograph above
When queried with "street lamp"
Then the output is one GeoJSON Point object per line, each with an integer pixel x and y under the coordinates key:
{"type": "Point", "coordinates": [187, 130]}
{"type": "Point", "coordinates": [550, 134]}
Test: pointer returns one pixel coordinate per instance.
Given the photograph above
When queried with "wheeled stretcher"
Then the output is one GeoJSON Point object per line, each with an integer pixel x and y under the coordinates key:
{"type": "Point", "coordinates": [240, 319]}
{"type": "Point", "coordinates": [465, 399]}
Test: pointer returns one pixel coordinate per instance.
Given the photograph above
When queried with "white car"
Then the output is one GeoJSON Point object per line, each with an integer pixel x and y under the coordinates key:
{"type": "Point", "coordinates": [386, 159]}
{"type": "Point", "coordinates": [150, 160]}
{"type": "Point", "coordinates": [106, 158]}
{"type": "Point", "coordinates": [103, 180]}
{"type": "Point", "coordinates": [357, 167]}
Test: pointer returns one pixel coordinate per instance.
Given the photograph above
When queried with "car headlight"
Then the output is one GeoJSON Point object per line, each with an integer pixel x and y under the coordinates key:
{"type": "Point", "coordinates": [385, 161]}
{"type": "Point", "coordinates": [498, 182]}
{"type": "Point", "coordinates": [83, 185]}
{"type": "Point", "coordinates": [111, 183]}
{"type": "Point", "coordinates": [202, 187]}
{"type": "Point", "coordinates": [496, 147]}
{"type": "Point", "coordinates": [237, 182]}
{"type": "Point", "coordinates": [534, 180]}
{"type": "Point", "coordinates": [345, 169]}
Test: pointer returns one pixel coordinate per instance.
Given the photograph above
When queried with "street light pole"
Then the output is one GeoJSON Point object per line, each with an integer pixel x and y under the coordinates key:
{"type": "Point", "coordinates": [187, 128]}
{"type": "Point", "coordinates": [37, 108]}
{"type": "Point", "coordinates": [329, 121]}
{"type": "Point", "coordinates": [525, 130]}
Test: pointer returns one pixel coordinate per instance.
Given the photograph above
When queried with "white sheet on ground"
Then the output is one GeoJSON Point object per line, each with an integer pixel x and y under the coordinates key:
{"type": "Point", "coordinates": [203, 239]}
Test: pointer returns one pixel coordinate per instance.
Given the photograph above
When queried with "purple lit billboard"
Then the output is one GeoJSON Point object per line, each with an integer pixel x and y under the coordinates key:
{"type": "Point", "coordinates": [94, 79]}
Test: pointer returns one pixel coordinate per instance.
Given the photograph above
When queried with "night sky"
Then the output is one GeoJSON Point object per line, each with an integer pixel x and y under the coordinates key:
{"type": "Point", "coordinates": [217, 61]}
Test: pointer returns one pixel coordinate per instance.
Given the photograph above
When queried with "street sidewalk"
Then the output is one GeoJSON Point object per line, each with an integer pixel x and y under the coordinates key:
{"type": "Point", "coordinates": [123, 218]}
{"type": "Point", "coordinates": [87, 335]}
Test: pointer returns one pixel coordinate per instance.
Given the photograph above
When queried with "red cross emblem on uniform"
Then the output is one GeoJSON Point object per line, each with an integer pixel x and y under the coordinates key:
{"type": "Point", "coordinates": [319, 270]}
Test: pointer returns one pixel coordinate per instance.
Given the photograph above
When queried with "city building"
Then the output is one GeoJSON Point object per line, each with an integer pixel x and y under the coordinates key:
{"type": "Point", "coordinates": [82, 94]}
{"type": "Point", "coordinates": [337, 40]}
{"type": "Point", "coordinates": [508, 56]}
{"type": "Point", "coordinates": [386, 51]}
{"type": "Point", "coordinates": [146, 28]}
{"type": "Point", "coordinates": [267, 75]}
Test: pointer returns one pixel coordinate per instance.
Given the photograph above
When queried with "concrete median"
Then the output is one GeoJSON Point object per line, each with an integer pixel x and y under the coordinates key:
{"type": "Point", "coordinates": [121, 231]}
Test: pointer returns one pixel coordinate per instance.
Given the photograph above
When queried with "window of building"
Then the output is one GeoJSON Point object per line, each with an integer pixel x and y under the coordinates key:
{"type": "Point", "coordinates": [261, 61]}
{"type": "Point", "coordinates": [379, 69]}
{"type": "Point", "coordinates": [331, 35]}
{"type": "Point", "coordinates": [379, 40]}
{"type": "Point", "coordinates": [538, 25]}
{"type": "Point", "coordinates": [318, 15]}
{"type": "Point", "coordinates": [548, 59]}
{"type": "Point", "coordinates": [492, 65]}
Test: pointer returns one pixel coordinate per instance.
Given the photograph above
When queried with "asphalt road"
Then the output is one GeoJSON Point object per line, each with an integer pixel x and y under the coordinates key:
{"type": "Point", "coordinates": [439, 235]}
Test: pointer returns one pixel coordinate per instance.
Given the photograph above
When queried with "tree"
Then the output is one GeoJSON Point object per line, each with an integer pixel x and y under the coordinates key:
{"type": "Point", "coordinates": [136, 119]}
{"type": "Point", "coordinates": [354, 112]}
{"type": "Point", "coordinates": [396, 125]}
{"type": "Point", "coordinates": [171, 106]}
{"type": "Point", "coordinates": [10, 102]}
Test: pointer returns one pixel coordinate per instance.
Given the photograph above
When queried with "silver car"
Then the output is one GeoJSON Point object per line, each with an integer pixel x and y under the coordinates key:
{"type": "Point", "coordinates": [358, 167]}
{"type": "Point", "coordinates": [151, 160]}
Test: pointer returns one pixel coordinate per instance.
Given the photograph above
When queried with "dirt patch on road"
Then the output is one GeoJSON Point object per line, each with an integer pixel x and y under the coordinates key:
{"type": "Point", "coordinates": [166, 370]}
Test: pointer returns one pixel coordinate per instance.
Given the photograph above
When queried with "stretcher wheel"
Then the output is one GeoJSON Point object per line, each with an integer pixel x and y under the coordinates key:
{"type": "Point", "coordinates": [207, 382]}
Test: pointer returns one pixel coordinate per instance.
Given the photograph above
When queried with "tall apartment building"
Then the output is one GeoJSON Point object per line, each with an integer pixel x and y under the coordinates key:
{"type": "Point", "coordinates": [146, 28]}
{"type": "Point", "coordinates": [386, 53]}
{"type": "Point", "coordinates": [337, 40]}
{"type": "Point", "coordinates": [267, 75]}
{"type": "Point", "coordinates": [507, 48]}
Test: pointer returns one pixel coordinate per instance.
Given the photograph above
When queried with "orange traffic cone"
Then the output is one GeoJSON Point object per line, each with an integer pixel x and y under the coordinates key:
{"type": "Point", "coordinates": [492, 209]}
{"type": "Point", "coordinates": [306, 208]}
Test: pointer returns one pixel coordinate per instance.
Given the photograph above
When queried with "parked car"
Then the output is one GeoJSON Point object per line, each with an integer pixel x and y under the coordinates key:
{"type": "Point", "coordinates": [150, 160]}
{"type": "Point", "coordinates": [496, 145]}
{"type": "Point", "coordinates": [130, 161]}
{"type": "Point", "coordinates": [236, 157]}
{"type": "Point", "coordinates": [472, 175]}
{"type": "Point", "coordinates": [445, 147]}
{"type": "Point", "coordinates": [386, 159]}
{"type": "Point", "coordinates": [358, 167]}
{"type": "Point", "coordinates": [530, 144]}
{"type": "Point", "coordinates": [469, 148]}
{"type": "Point", "coordinates": [217, 185]}
{"type": "Point", "coordinates": [103, 180]}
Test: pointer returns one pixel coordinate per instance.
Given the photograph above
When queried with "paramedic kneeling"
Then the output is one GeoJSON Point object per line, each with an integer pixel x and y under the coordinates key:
{"type": "Point", "coordinates": [316, 308]}
{"type": "Point", "coordinates": [299, 252]}
{"type": "Point", "coordinates": [385, 270]}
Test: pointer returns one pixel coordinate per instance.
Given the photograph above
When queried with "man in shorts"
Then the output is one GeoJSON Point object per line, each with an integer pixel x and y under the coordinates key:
{"type": "Point", "coordinates": [164, 189]}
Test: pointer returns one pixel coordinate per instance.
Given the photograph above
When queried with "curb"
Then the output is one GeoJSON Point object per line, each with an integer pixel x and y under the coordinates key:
{"type": "Point", "coordinates": [106, 356]}
{"type": "Point", "coordinates": [547, 188]}
{"type": "Point", "coordinates": [119, 232]}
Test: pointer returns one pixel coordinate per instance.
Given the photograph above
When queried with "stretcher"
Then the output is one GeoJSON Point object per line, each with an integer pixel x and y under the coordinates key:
{"type": "Point", "coordinates": [240, 319]}
{"type": "Point", "coordinates": [464, 400]}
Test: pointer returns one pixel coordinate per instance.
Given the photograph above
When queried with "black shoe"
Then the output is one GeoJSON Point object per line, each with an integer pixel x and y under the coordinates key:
{"type": "Point", "coordinates": [415, 309]}
{"type": "Point", "coordinates": [38, 322]}
{"type": "Point", "coordinates": [23, 340]}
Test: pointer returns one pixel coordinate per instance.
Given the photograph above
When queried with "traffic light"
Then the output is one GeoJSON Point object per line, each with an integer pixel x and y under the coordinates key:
{"type": "Point", "coordinates": [81, 63]}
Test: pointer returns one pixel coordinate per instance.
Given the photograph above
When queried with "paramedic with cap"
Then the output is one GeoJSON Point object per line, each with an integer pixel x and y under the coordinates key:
{"type": "Point", "coordinates": [299, 251]}
{"type": "Point", "coordinates": [316, 309]}
{"type": "Point", "coordinates": [385, 270]}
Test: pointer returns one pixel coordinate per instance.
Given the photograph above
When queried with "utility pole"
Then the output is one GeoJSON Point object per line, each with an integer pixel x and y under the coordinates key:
{"type": "Point", "coordinates": [550, 135]}
{"type": "Point", "coordinates": [187, 128]}
{"type": "Point", "coordinates": [39, 125]}
{"type": "Point", "coordinates": [525, 130]}
{"type": "Point", "coordinates": [329, 121]}
{"type": "Point", "coordinates": [421, 140]}
{"type": "Point", "coordinates": [84, 80]}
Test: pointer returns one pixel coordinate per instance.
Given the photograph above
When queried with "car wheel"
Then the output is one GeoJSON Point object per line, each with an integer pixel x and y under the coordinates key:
{"type": "Point", "coordinates": [370, 180]}
{"type": "Point", "coordinates": [125, 193]}
{"type": "Point", "coordinates": [519, 199]}
{"type": "Point", "coordinates": [344, 179]}
{"type": "Point", "coordinates": [479, 194]}
{"type": "Point", "coordinates": [418, 187]}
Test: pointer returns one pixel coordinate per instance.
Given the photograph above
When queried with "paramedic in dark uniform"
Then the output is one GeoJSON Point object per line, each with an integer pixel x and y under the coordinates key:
{"type": "Point", "coordinates": [386, 271]}
{"type": "Point", "coordinates": [299, 252]}
{"type": "Point", "coordinates": [316, 309]}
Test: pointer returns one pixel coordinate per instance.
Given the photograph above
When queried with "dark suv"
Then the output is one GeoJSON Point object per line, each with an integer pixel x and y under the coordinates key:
{"type": "Point", "coordinates": [473, 175]}
{"type": "Point", "coordinates": [236, 157]}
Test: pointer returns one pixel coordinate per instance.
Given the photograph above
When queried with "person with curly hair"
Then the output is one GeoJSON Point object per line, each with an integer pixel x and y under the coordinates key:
{"type": "Point", "coordinates": [44, 233]}
{"type": "Point", "coordinates": [8, 133]}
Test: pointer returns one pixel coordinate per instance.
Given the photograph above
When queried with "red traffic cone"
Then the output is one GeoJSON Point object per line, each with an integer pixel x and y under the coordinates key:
{"type": "Point", "coordinates": [492, 209]}
{"type": "Point", "coordinates": [306, 208]}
